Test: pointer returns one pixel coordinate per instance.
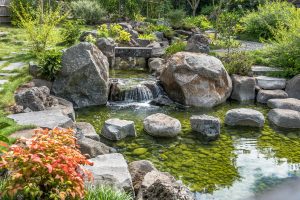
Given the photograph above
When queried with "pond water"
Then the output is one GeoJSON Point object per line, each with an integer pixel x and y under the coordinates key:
{"type": "Point", "coordinates": [242, 164]}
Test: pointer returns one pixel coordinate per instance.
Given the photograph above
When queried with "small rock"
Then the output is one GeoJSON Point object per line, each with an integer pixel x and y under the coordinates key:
{"type": "Point", "coordinates": [156, 65]}
{"type": "Point", "coordinates": [198, 43]}
{"type": "Point", "coordinates": [206, 125]}
{"type": "Point", "coordinates": [111, 169]}
{"type": "Point", "coordinates": [293, 87]}
{"type": "Point", "coordinates": [86, 130]}
{"type": "Point", "coordinates": [264, 95]}
{"type": "Point", "coordinates": [116, 129]}
{"type": "Point", "coordinates": [162, 100]}
{"type": "Point", "coordinates": [34, 69]}
{"type": "Point", "coordinates": [243, 88]}
{"type": "Point", "coordinates": [161, 125]}
{"type": "Point", "coordinates": [157, 49]}
{"type": "Point", "coordinates": [289, 104]}
{"type": "Point", "coordinates": [270, 83]}
{"type": "Point", "coordinates": [285, 118]}
{"type": "Point", "coordinates": [92, 147]}
{"type": "Point", "coordinates": [244, 117]}
{"type": "Point", "coordinates": [138, 170]}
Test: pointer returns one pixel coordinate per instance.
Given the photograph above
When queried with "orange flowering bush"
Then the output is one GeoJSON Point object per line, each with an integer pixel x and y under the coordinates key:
{"type": "Point", "coordinates": [47, 166]}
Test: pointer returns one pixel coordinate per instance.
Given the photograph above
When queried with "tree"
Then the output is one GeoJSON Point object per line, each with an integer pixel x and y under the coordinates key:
{"type": "Point", "coordinates": [194, 5]}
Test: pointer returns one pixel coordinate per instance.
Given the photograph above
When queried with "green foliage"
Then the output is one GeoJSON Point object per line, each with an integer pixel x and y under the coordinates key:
{"type": "Point", "coordinates": [114, 31]}
{"type": "Point", "coordinates": [40, 26]}
{"type": "Point", "coordinates": [47, 166]}
{"type": "Point", "coordinates": [199, 21]}
{"type": "Point", "coordinates": [106, 193]}
{"type": "Point", "coordinates": [50, 63]}
{"type": "Point", "coordinates": [70, 31]}
{"type": "Point", "coordinates": [88, 10]}
{"type": "Point", "coordinates": [150, 37]}
{"type": "Point", "coordinates": [175, 17]}
{"type": "Point", "coordinates": [90, 38]}
{"type": "Point", "coordinates": [177, 46]}
{"type": "Point", "coordinates": [238, 63]}
{"type": "Point", "coordinates": [268, 17]}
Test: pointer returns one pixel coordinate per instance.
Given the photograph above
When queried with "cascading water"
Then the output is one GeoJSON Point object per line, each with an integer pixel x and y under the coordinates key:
{"type": "Point", "coordinates": [138, 93]}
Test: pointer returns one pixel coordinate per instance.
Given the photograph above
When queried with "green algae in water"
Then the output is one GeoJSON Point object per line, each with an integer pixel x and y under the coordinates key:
{"type": "Point", "coordinates": [201, 166]}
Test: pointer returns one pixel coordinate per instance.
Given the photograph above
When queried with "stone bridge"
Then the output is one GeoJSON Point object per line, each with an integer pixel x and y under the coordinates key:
{"type": "Point", "coordinates": [125, 52]}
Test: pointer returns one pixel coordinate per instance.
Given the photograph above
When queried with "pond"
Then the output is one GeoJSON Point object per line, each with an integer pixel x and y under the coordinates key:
{"type": "Point", "coordinates": [242, 163]}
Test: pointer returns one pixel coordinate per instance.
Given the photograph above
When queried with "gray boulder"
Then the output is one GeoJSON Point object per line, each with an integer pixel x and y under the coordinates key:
{"type": "Point", "coordinates": [35, 98]}
{"type": "Point", "coordinates": [198, 43]}
{"type": "Point", "coordinates": [92, 148]}
{"type": "Point", "coordinates": [156, 65]}
{"type": "Point", "coordinates": [111, 169]}
{"type": "Point", "coordinates": [66, 107]}
{"type": "Point", "coordinates": [293, 87]}
{"type": "Point", "coordinates": [83, 78]}
{"type": "Point", "coordinates": [243, 88]}
{"type": "Point", "coordinates": [107, 47]}
{"type": "Point", "coordinates": [289, 104]}
{"type": "Point", "coordinates": [160, 185]}
{"type": "Point", "coordinates": [84, 129]}
{"type": "Point", "coordinates": [44, 119]}
{"type": "Point", "coordinates": [285, 118]}
{"type": "Point", "coordinates": [244, 117]}
{"type": "Point", "coordinates": [195, 79]}
{"type": "Point", "coordinates": [264, 95]}
{"type": "Point", "coordinates": [271, 83]}
{"type": "Point", "coordinates": [138, 170]}
{"type": "Point", "coordinates": [161, 125]}
{"type": "Point", "coordinates": [117, 129]}
{"type": "Point", "coordinates": [157, 49]}
{"type": "Point", "coordinates": [207, 126]}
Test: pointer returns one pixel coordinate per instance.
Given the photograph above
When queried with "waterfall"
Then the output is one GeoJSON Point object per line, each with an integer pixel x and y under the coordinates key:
{"type": "Point", "coordinates": [137, 93]}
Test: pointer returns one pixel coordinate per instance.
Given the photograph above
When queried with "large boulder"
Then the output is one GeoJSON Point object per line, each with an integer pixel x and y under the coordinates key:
{"type": "Point", "coordinates": [271, 83]}
{"type": "Point", "coordinates": [285, 118]}
{"type": "Point", "coordinates": [117, 129]}
{"type": "Point", "coordinates": [243, 88]}
{"type": "Point", "coordinates": [93, 148]}
{"type": "Point", "coordinates": [160, 185]}
{"type": "Point", "coordinates": [198, 43]}
{"type": "Point", "coordinates": [111, 169]}
{"type": "Point", "coordinates": [35, 98]}
{"type": "Point", "coordinates": [207, 126]}
{"type": "Point", "coordinates": [83, 78]}
{"type": "Point", "coordinates": [264, 95]}
{"type": "Point", "coordinates": [289, 104]}
{"type": "Point", "coordinates": [244, 117]}
{"type": "Point", "coordinates": [161, 125]}
{"type": "Point", "coordinates": [138, 170]}
{"type": "Point", "coordinates": [196, 80]}
{"type": "Point", "coordinates": [293, 87]}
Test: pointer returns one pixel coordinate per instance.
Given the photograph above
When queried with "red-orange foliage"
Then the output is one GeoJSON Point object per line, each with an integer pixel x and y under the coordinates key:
{"type": "Point", "coordinates": [48, 166]}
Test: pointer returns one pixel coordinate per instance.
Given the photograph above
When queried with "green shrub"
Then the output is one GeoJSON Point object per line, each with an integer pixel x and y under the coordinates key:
{"type": "Point", "coordinates": [50, 63]}
{"type": "Point", "coordinates": [88, 10]}
{"type": "Point", "coordinates": [175, 17]}
{"type": "Point", "coordinates": [70, 31]}
{"type": "Point", "coordinates": [237, 63]}
{"type": "Point", "coordinates": [177, 46]}
{"type": "Point", "coordinates": [270, 16]}
{"type": "Point", "coordinates": [106, 193]}
{"type": "Point", "coordinates": [115, 31]}
{"type": "Point", "coordinates": [150, 37]}
{"type": "Point", "coordinates": [199, 21]}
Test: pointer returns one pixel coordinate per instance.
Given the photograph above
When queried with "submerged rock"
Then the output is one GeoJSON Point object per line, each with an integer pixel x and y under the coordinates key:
{"type": "Point", "coordinates": [161, 125]}
{"type": "Point", "coordinates": [111, 169]}
{"type": "Point", "coordinates": [293, 87]}
{"type": "Point", "coordinates": [138, 170]}
{"type": "Point", "coordinates": [243, 88]}
{"type": "Point", "coordinates": [264, 95]}
{"type": "Point", "coordinates": [207, 126]}
{"type": "Point", "coordinates": [244, 117]}
{"type": "Point", "coordinates": [116, 129]}
{"type": "Point", "coordinates": [160, 185]}
{"type": "Point", "coordinates": [285, 118]}
{"type": "Point", "coordinates": [83, 78]}
{"type": "Point", "coordinates": [289, 104]}
{"type": "Point", "coordinates": [196, 80]}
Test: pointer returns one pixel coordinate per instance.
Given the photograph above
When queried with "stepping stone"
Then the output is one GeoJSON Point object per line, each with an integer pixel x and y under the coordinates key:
{"type": "Point", "coordinates": [44, 119]}
{"type": "Point", "coordinates": [270, 83]}
{"type": "Point", "coordinates": [3, 82]}
{"type": "Point", "coordinates": [289, 104]}
{"type": "Point", "coordinates": [285, 118]}
{"type": "Point", "coordinates": [263, 70]}
{"type": "Point", "coordinates": [117, 129]}
{"type": "Point", "coordinates": [8, 74]}
{"type": "Point", "coordinates": [264, 95]}
{"type": "Point", "coordinates": [244, 117]}
{"type": "Point", "coordinates": [14, 66]}
{"type": "Point", "coordinates": [207, 126]}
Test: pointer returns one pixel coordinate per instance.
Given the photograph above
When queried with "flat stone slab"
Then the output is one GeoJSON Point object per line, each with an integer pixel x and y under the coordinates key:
{"type": "Point", "coordinates": [289, 104]}
{"type": "Point", "coordinates": [285, 118]}
{"type": "Point", "coordinates": [270, 83]}
{"type": "Point", "coordinates": [8, 74]}
{"type": "Point", "coordinates": [263, 70]}
{"type": "Point", "coordinates": [3, 81]}
{"type": "Point", "coordinates": [14, 66]}
{"type": "Point", "coordinates": [44, 119]}
{"type": "Point", "coordinates": [111, 169]}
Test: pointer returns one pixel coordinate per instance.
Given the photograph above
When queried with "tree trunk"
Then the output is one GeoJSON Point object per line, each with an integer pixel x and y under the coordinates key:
{"type": "Point", "coordinates": [194, 12]}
